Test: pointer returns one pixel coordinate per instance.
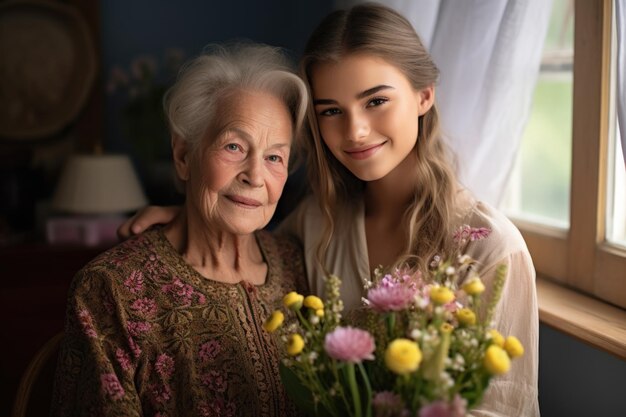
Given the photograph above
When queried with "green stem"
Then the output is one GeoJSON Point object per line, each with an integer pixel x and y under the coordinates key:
{"type": "Point", "coordinates": [368, 391]}
{"type": "Point", "coordinates": [356, 398]}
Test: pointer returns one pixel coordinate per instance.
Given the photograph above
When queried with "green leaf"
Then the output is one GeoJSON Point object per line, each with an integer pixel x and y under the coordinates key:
{"type": "Point", "coordinates": [300, 395]}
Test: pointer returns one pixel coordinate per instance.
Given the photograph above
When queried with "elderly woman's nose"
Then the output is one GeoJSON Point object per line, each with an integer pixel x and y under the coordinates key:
{"type": "Point", "coordinates": [252, 172]}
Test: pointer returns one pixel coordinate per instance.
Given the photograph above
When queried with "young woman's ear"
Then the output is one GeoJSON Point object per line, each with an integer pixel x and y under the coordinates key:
{"type": "Point", "coordinates": [425, 99]}
{"type": "Point", "coordinates": [180, 153]}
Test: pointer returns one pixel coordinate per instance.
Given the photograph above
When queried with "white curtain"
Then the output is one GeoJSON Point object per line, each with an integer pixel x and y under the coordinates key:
{"type": "Point", "coordinates": [620, 16]}
{"type": "Point", "coordinates": [489, 53]}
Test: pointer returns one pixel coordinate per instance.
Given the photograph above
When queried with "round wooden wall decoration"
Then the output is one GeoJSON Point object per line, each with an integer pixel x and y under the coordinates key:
{"type": "Point", "coordinates": [48, 65]}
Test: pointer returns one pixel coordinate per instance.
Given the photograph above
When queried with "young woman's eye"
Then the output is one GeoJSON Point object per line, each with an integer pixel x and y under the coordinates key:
{"type": "Point", "coordinates": [330, 112]}
{"type": "Point", "coordinates": [376, 101]}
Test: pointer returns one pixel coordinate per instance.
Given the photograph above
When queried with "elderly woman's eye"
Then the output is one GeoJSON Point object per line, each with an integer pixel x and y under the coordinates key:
{"type": "Point", "coordinates": [275, 158]}
{"type": "Point", "coordinates": [233, 147]}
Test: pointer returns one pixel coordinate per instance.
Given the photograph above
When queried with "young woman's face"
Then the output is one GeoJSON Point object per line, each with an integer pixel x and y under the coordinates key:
{"type": "Point", "coordinates": [367, 113]}
{"type": "Point", "coordinates": [236, 179]}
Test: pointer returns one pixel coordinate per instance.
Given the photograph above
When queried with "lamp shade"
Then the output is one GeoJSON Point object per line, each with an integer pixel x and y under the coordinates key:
{"type": "Point", "coordinates": [98, 184]}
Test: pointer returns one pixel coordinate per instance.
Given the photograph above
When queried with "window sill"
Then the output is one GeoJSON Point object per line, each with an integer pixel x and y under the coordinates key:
{"type": "Point", "coordinates": [592, 321]}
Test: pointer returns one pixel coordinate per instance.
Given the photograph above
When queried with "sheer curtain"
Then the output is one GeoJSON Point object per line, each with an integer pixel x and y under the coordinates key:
{"type": "Point", "coordinates": [620, 17]}
{"type": "Point", "coordinates": [489, 52]}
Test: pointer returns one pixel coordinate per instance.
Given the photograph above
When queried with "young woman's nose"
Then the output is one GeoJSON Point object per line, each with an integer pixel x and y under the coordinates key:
{"type": "Point", "coordinates": [252, 172]}
{"type": "Point", "coordinates": [357, 127]}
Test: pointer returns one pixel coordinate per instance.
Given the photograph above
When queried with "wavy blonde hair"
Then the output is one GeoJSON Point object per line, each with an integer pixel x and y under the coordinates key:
{"type": "Point", "coordinates": [380, 31]}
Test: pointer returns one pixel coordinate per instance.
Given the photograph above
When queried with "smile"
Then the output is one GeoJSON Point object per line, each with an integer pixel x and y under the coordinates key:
{"type": "Point", "coordinates": [364, 152]}
{"type": "Point", "coordinates": [244, 202]}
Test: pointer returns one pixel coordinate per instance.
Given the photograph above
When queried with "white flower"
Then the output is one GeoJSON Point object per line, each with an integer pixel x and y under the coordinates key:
{"type": "Point", "coordinates": [450, 270]}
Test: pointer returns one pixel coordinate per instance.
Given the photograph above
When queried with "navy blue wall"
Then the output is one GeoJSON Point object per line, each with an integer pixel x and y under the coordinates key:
{"type": "Point", "coordinates": [132, 28]}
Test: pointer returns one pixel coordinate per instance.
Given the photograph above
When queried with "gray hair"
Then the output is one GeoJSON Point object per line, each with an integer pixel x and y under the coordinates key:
{"type": "Point", "coordinates": [191, 104]}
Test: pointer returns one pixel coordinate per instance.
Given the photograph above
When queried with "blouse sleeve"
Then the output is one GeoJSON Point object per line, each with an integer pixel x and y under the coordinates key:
{"type": "Point", "coordinates": [98, 357]}
{"type": "Point", "coordinates": [515, 393]}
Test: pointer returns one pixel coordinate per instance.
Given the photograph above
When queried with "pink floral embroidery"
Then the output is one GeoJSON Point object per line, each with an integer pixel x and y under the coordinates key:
{"type": "Point", "coordinates": [479, 233]}
{"type": "Point", "coordinates": [217, 408]}
{"type": "Point", "coordinates": [161, 393]}
{"type": "Point", "coordinates": [134, 347]}
{"type": "Point", "coordinates": [144, 306]}
{"type": "Point", "coordinates": [87, 323]}
{"type": "Point", "coordinates": [153, 265]}
{"type": "Point", "coordinates": [123, 358]}
{"type": "Point", "coordinates": [214, 381]}
{"type": "Point", "coordinates": [209, 350]}
{"type": "Point", "coordinates": [165, 365]}
{"type": "Point", "coordinates": [135, 328]}
{"type": "Point", "coordinates": [134, 282]}
{"type": "Point", "coordinates": [111, 386]}
{"type": "Point", "coordinates": [182, 293]}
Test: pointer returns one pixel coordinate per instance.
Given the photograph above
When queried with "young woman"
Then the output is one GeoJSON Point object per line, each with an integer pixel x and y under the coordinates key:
{"type": "Point", "coordinates": [384, 188]}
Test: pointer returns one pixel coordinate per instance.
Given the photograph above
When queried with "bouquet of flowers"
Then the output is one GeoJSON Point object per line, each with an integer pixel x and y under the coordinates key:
{"type": "Point", "coordinates": [420, 346]}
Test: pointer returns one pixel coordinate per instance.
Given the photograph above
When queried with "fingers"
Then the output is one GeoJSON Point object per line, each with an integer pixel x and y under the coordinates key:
{"type": "Point", "coordinates": [145, 218]}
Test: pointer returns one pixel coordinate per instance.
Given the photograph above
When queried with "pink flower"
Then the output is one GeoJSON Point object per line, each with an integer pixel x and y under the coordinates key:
{"type": "Point", "coordinates": [123, 358]}
{"type": "Point", "coordinates": [111, 386]}
{"type": "Point", "coordinates": [466, 232]}
{"type": "Point", "coordinates": [457, 408]}
{"type": "Point", "coordinates": [388, 404]}
{"type": "Point", "coordinates": [134, 347]}
{"type": "Point", "coordinates": [477, 233]}
{"type": "Point", "coordinates": [134, 282]}
{"type": "Point", "coordinates": [164, 365]}
{"type": "Point", "coordinates": [87, 323]}
{"type": "Point", "coordinates": [215, 381]}
{"type": "Point", "coordinates": [182, 293]}
{"type": "Point", "coordinates": [209, 350]}
{"type": "Point", "coordinates": [135, 328]}
{"type": "Point", "coordinates": [161, 393]}
{"type": "Point", "coordinates": [390, 298]}
{"type": "Point", "coordinates": [144, 306]}
{"type": "Point", "coordinates": [350, 344]}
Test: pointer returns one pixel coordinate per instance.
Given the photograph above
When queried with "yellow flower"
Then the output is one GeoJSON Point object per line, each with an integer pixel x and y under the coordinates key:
{"type": "Point", "coordinates": [441, 295]}
{"type": "Point", "coordinates": [474, 286]}
{"type": "Point", "coordinates": [403, 356]}
{"type": "Point", "coordinates": [513, 347]}
{"type": "Point", "coordinates": [496, 360]}
{"type": "Point", "coordinates": [319, 312]}
{"type": "Point", "coordinates": [313, 302]}
{"type": "Point", "coordinates": [274, 321]}
{"type": "Point", "coordinates": [446, 328]}
{"type": "Point", "coordinates": [466, 316]}
{"type": "Point", "coordinates": [496, 338]}
{"type": "Point", "coordinates": [293, 300]}
{"type": "Point", "coordinates": [295, 344]}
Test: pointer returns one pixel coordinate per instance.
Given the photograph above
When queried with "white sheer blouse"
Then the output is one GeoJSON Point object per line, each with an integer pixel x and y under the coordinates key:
{"type": "Point", "coordinates": [514, 394]}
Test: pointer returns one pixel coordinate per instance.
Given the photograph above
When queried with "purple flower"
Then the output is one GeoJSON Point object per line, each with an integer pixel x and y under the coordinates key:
{"type": "Point", "coordinates": [87, 323]}
{"type": "Point", "coordinates": [388, 404]}
{"type": "Point", "coordinates": [457, 408]}
{"type": "Point", "coordinates": [136, 328]}
{"type": "Point", "coordinates": [144, 306]}
{"type": "Point", "coordinates": [390, 298]}
{"type": "Point", "coordinates": [349, 344]}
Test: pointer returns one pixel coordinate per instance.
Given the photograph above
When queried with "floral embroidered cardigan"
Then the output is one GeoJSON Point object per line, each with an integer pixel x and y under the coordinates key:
{"type": "Point", "coordinates": [146, 335]}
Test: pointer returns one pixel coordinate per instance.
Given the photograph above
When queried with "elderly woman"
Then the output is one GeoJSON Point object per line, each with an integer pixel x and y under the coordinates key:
{"type": "Point", "coordinates": [170, 321]}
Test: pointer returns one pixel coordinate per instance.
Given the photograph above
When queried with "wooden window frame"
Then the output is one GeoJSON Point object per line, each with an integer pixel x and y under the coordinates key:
{"type": "Point", "coordinates": [581, 258]}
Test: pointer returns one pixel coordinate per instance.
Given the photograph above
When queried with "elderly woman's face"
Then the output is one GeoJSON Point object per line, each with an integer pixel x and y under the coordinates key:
{"type": "Point", "coordinates": [242, 164]}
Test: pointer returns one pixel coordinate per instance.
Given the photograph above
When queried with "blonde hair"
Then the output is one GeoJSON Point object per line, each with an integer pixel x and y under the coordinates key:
{"type": "Point", "coordinates": [380, 31]}
{"type": "Point", "coordinates": [192, 104]}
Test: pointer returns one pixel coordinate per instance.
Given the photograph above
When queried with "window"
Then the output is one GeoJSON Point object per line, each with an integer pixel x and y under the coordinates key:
{"type": "Point", "coordinates": [567, 195]}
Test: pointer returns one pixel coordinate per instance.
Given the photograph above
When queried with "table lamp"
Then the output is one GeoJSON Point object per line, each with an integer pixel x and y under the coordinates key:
{"type": "Point", "coordinates": [92, 197]}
